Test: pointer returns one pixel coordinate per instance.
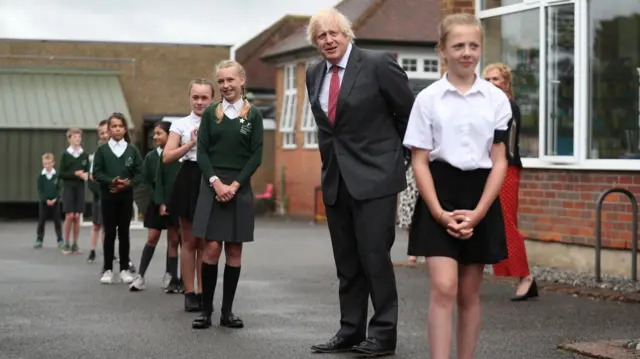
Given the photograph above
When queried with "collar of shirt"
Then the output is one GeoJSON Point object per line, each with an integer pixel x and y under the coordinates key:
{"type": "Point", "coordinates": [342, 64]}
{"type": "Point", "coordinates": [113, 143]}
{"type": "Point", "coordinates": [159, 150]}
{"type": "Point", "coordinates": [45, 172]}
{"type": "Point", "coordinates": [479, 85]}
{"type": "Point", "coordinates": [238, 105]}
{"type": "Point", "coordinates": [71, 150]}
{"type": "Point", "coordinates": [194, 118]}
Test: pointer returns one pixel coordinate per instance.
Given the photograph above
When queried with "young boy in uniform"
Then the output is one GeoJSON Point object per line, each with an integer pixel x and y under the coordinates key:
{"type": "Point", "coordinates": [48, 194]}
{"type": "Point", "coordinates": [74, 171]}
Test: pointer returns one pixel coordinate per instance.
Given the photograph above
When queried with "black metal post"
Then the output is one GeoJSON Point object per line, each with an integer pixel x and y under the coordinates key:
{"type": "Point", "coordinates": [634, 227]}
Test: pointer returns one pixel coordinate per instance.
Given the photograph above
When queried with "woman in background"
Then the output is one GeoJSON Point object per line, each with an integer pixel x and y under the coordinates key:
{"type": "Point", "coordinates": [516, 265]}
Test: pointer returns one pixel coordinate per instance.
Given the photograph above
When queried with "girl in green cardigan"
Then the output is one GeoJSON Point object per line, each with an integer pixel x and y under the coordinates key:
{"type": "Point", "coordinates": [117, 167]}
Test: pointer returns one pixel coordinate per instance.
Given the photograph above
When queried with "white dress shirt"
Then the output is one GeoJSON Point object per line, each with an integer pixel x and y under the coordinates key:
{"type": "Point", "coordinates": [118, 147]}
{"type": "Point", "coordinates": [458, 128]}
{"type": "Point", "coordinates": [75, 153]}
{"type": "Point", "coordinates": [326, 83]}
{"type": "Point", "coordinates": [232, 110]}
{"type": "Point", "coordinates": [49, 174]}
{"type": "Point", "coordinates": [183, 127]}
{"type": "Point", "coordinates": [159, 150]}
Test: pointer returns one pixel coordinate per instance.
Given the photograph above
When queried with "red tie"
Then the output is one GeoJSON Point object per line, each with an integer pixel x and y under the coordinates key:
{"type": "Point", "coordinates": [334, 90]}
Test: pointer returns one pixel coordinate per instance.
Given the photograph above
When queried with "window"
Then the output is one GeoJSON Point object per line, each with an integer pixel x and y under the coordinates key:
{"type": "Point", "coordinates": [420, 65]}
{"type": "Point", "coordinates": [410, 65]}
{"type": "Point", "coordinates": [576, 67]}
{"type": "Point", "coordinates": [288, 117]}
{"type": "Point", "coordinates": [514, 39]}
{"type": "Point", "coordinates": [308, 122]}
{"type": "Point", "coordinates": [614, 73]}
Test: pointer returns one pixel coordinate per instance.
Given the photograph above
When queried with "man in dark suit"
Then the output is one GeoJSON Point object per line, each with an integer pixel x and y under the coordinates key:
{"type": "Point", "coordinates": [361, 102]}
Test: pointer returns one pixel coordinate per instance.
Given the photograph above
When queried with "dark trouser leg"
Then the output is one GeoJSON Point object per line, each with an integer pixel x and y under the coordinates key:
{"type": "Point", "coordinates": [124, 222]}
{"type": "Point", "coordinates": [110, 222]}
{"type": "Point", "coordinates": [55, 210]}
{"type": "Point", "coordinates": [43, 212]}
{"type": "Point", "coordinates": [353, 293]}
{"type": "Point", "coordinates": [374, 223]}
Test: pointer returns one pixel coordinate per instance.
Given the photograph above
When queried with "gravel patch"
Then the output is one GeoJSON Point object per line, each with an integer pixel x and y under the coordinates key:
{"type": "Point", "coordinates": [622, 284]}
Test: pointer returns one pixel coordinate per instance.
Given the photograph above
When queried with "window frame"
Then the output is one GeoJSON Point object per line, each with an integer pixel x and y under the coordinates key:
{"type": "Point", "coordinates": [307, 120]}
{"type": "Point", "coordinates": [420, 58]}
{"type": "Point", "coordinates": [579, 160]}
{"type": "Point", "coordinates": [288, 111]}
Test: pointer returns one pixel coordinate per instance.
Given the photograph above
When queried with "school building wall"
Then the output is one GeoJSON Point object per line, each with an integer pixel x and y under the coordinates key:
{"type": "Point", "coordinates": [154, 77]}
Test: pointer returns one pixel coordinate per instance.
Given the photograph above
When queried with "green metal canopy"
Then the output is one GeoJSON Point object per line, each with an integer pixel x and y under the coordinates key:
{"type": "Point", "coordinates": [58, 98]}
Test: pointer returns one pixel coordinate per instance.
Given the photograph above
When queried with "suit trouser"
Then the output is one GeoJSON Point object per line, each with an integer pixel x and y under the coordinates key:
{"type": "Point", "coordinates": [362, 234]}
{"type": "Point", "coordinates": [45, 212]}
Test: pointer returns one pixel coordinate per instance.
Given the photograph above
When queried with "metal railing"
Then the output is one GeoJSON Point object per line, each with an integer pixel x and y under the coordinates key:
{"type": "Point", "coordinates": [634, 238]}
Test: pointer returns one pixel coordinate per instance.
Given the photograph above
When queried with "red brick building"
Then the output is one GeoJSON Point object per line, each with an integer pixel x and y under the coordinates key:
{"type": "Point", "coordinates": [577, 81]}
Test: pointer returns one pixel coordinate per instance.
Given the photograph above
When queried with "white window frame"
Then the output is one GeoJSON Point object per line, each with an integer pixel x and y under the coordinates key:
{"type": "Point", "coordinates": [579, 160]}
{"type": "Point", "coordinates": [308, 121]}
{"type": "Point", "coordinates": [289, 107]}
{"type": "Point", "coordinates": [420, 58]}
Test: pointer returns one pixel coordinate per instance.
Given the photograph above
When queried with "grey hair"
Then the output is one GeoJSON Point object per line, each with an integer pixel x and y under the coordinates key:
{"type": "Point", "coordinates": [326, 15]}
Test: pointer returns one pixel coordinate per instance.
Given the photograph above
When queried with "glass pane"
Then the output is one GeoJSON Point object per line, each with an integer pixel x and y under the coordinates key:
{"type": "Point", "coordinates": [514, 40]}
{"type": "Point", "coordinates": [560, 78]}
{"type": "Point", "coordinates": [614, 79]}
{"type": "Point", "coordinates": [490, 4]}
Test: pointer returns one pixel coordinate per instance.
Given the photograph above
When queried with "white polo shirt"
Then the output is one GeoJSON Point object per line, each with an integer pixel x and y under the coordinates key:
{"type": "Point", "coordinates": [183, 127]}
{"type": "Point", "coordinates": [456, 128]}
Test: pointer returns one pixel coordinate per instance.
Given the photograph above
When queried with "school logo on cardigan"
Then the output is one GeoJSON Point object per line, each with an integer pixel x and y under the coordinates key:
{"type": "Point", "coordinates": [245, 127]}
{"type": "Point", "coordinates": [129, 162]}
{"type": "Point", "coordinates": [84, 162]}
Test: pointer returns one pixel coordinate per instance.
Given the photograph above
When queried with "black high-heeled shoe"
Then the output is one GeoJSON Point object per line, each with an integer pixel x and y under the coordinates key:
{"type": "Point", "coordinates": [532, 292]}
{"type": "Point", "coordinates": [202, 322]}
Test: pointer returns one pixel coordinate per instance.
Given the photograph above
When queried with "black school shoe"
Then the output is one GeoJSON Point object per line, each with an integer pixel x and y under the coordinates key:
{"type": "Point", "coordinates": [229, 320]}
{"type": "Point", "coordinates": [202, 322]}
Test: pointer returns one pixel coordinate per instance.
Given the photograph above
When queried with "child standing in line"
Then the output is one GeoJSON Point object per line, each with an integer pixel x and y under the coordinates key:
{"type": "Point", "coordinates": [157, 217]}
{"type": "Point", "coordinates": [48, 193]}
{"type": "Point", "coordinates": [74, 171]}
{"type": "Point", "coordinates": [103, 137]}
{"type": "Point", "coordinates": [117, 167]}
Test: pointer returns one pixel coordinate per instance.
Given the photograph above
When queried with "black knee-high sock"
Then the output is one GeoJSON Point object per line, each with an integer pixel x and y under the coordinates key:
{"type": "Point", "coordinates": [209, 279]}
{"type": "Point", "coordinates": [229, 285]}
{"type": "Point", "coordinates": [147, 254]}
{"type": "Point", "coordinates": [173, 268]}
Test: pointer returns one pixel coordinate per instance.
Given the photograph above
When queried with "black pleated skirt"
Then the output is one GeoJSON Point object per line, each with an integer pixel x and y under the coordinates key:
{"type": "Point", "coordinates": [457, 189]}
{"type": "Point", "coordinates": [231, 221]}
{"type": "Point", "coordinates": [186, 188]}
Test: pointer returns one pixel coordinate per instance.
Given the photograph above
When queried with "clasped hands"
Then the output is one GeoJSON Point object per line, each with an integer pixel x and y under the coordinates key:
{"type": "Point", "coordinates": [460, 223]}
{"type": "Point", "coordinates": [225, 193]}
{"type": "Point", "coordinates": [118, 184]}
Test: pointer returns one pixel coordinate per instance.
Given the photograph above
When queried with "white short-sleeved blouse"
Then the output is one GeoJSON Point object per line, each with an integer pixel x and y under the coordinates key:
{"type": "Point", "coordinates": [458, 129]}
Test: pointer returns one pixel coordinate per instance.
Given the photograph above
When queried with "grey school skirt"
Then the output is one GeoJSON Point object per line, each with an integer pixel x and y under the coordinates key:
{"type": "Point", "coordinates": [231, 221]}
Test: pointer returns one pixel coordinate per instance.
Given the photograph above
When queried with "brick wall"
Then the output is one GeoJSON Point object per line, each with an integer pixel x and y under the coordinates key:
{"type": "Point", "coordinates": [301, 166]}
{"type": "Point", "coordinates": [560, 206]}
{"type": "Point", "coordinates": [156, 84]}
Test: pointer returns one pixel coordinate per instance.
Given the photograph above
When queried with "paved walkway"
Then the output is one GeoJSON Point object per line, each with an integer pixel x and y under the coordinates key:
{"type": "Point", "coordinates": [52, 306]}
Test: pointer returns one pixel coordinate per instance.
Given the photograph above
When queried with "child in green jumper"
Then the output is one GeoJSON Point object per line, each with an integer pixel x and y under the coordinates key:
{"type": "Point", "coordinates": [94, 187]}
{"type": "Point", "coordinates": [117, 167]}
{"type": "Point", "coordinates": [157, 216]}
{"type": "Point", "coordinates": [74, 171]}
{"type": "Point", "coordinates": [48, 193]}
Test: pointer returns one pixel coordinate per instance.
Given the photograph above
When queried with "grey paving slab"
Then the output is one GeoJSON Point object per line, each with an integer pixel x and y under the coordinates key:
{"type": "Point", "coordinates": [52, 306]}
